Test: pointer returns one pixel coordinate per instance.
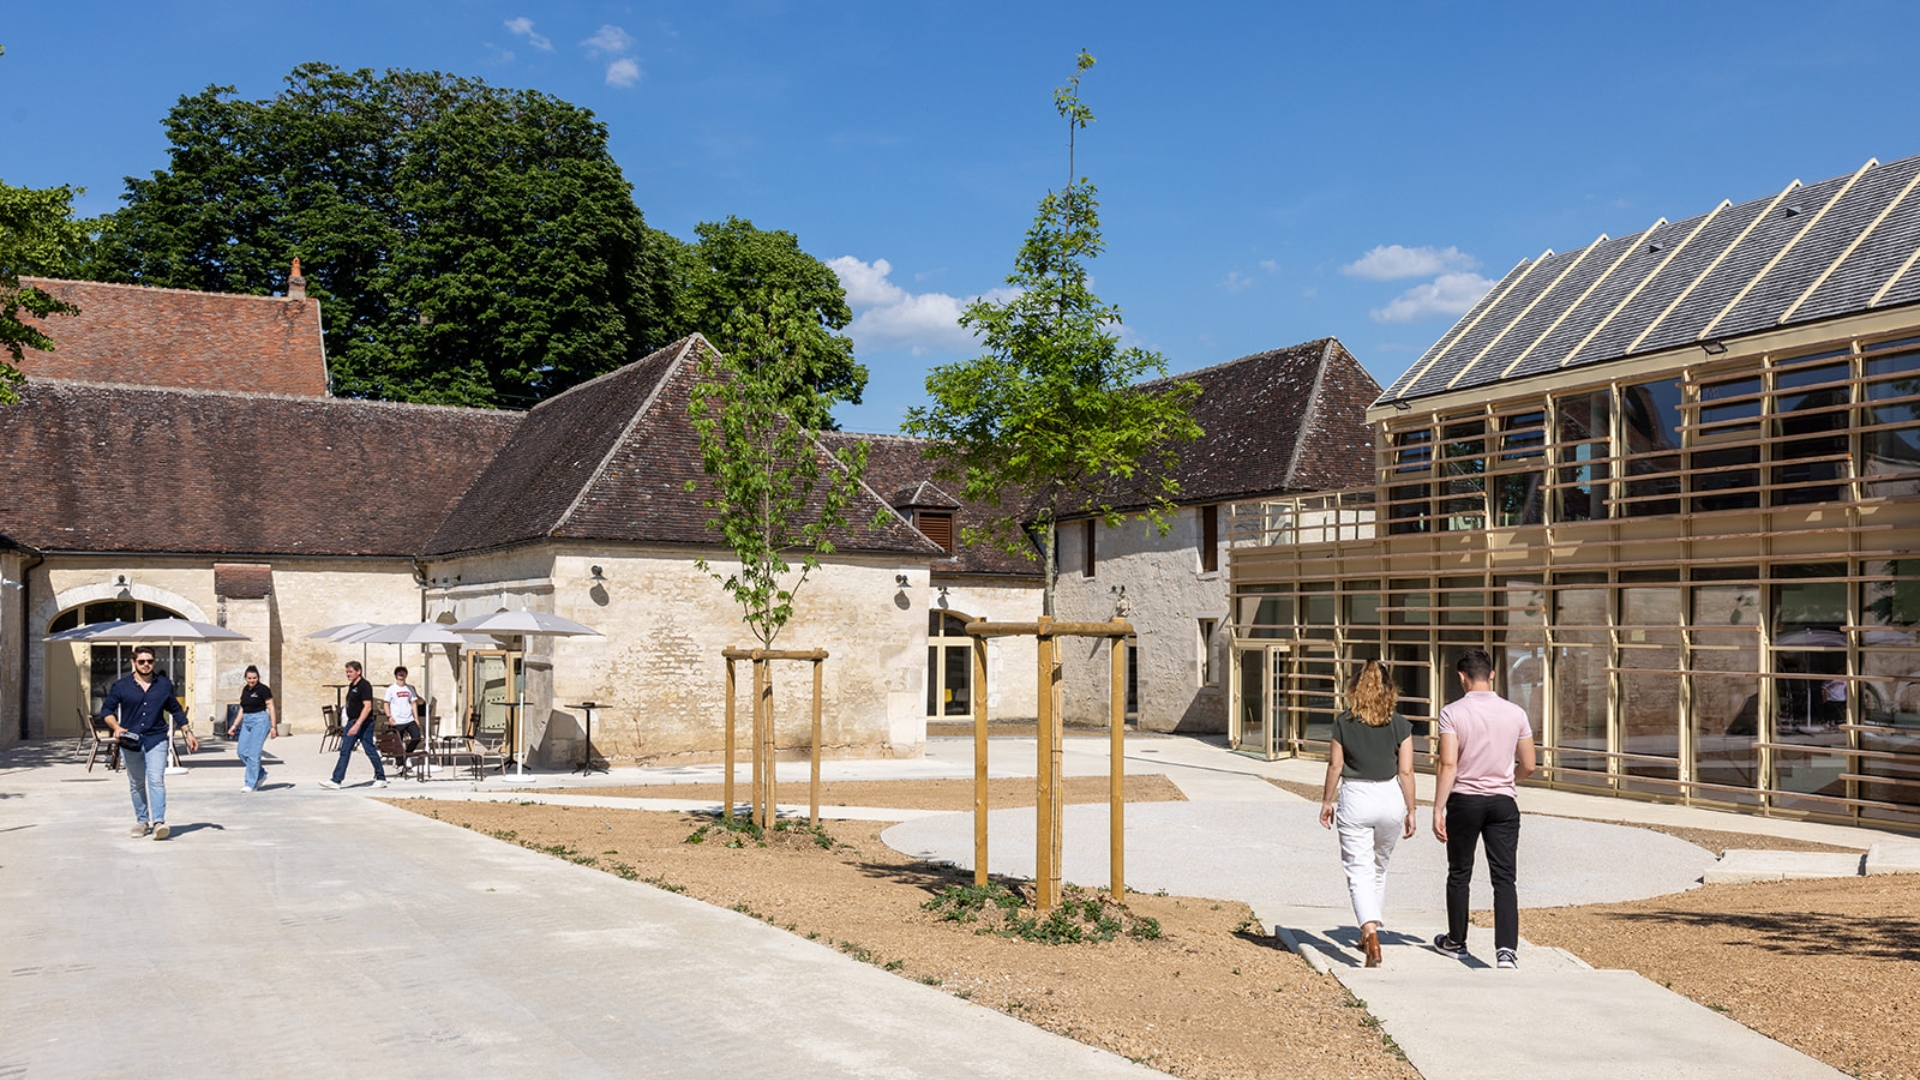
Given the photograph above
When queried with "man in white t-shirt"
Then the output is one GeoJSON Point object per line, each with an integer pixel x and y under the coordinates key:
{"type": "Point", "coordinates": [1481, 736]}
{"type": "Point", "coordinates": [405, 707]}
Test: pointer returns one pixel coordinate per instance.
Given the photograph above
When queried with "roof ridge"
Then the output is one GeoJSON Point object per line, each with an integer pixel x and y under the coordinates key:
{"type": "Point", "coordinates": [1320, 342]}
{"type": "Point", "coordinates": [633, 420]}
{"type": "Point", "coordinates": [677, 343]}
{"type": "Point", "coordinates": [261, 395]}
{"type": "Point", "coordinates": [171, 290]}
{"type": "Point", "coordinates": [1309, 411]}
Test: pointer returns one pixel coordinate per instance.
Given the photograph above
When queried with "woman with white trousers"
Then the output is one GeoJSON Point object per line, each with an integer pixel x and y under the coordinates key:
{"type": "Point", "coordinates": [1369, 794]}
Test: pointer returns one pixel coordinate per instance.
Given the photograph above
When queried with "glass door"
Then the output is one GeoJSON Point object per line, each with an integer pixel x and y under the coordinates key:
{"type": "Point", "coordinates": [949, 667]}
{"type": "Point", "coordinates": [1256, 686]}
{"type": "Point", "coordinates": [492, 695]}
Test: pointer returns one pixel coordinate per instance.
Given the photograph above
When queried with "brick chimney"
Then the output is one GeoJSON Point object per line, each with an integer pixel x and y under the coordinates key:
{"type": "Point", "coordinates": [296, 285]}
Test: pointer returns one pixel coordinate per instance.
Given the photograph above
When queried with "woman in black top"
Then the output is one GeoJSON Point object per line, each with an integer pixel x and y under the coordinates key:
{"type": "Point", "coordinates": [256, 726]}
{"type": "Point", "coordinates": [1370, 768]}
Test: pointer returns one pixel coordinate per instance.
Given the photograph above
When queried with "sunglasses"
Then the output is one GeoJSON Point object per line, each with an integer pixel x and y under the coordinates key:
{"type": "Point", "coordinates": [137, 663]}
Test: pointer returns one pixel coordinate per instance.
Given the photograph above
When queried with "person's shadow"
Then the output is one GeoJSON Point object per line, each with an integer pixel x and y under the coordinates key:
{"type": "Point", "coordinates": [182, 830]}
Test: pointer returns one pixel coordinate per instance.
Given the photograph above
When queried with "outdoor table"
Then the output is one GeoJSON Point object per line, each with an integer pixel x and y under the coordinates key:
{"type": "Point", "coordinates": [339, 698]}
{"type": "Point", "coordinates": [512, 709]}
{"type": "Point", "coordinates": [587, 767]}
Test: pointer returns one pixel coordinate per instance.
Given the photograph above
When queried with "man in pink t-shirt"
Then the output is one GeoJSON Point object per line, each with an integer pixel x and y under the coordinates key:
{"type": "Point", "coordinates": [1481, 736]}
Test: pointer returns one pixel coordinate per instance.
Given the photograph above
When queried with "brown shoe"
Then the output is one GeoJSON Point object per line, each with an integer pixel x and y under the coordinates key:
{"type": "Point", "coordinates": [1370, 941]}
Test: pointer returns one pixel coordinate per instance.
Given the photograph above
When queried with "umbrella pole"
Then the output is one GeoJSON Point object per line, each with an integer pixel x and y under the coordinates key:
{"type": "Point", "coordinates": [520, 719]}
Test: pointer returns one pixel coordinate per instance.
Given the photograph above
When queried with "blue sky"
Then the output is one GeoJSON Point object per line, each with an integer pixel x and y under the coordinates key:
{"type": "Point", "coordinates": [1270, 173]}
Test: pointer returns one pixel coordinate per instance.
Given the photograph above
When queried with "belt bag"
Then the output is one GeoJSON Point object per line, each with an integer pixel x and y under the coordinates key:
{"type": "Point", "coordinates": [129, 741]}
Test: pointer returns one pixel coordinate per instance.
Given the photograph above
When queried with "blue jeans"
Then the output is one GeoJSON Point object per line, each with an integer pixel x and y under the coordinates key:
{"type": "Point", "coordinates": [252, 738]}
{"type": "Point", "coordinates": [364, 740]}
{"type": "Point", "coordinates": [147, 779]}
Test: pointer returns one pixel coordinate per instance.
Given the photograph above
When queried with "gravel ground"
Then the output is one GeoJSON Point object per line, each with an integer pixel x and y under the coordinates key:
{"type": "Point", "coordinates": [1828, 966]}
{"type": "Point", "coordinates": [1208, 998]}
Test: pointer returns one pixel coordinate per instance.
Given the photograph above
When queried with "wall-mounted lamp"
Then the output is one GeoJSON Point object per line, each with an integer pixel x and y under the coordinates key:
{"type": "Point", "coordinates": [1121, 605]}
{"type": "Point", "coordinates": [9, 583]}
{"type": "Point", "coordinates": [1714, 346]}
{"type": "Point", "coordinates": [943, 598]}
{"type": "Point", "coordinates": [125, 587]}
{"type": "Point", "coordinates": [598, 577]}
{"type": "Point", "coordinates": [900, 580]}
{"type": "Point", "coordinates": [1402, 405]}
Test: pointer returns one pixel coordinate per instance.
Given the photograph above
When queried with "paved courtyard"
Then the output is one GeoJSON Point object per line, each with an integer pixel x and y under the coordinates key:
{"type": "Point", "coordinates": [299, 929]}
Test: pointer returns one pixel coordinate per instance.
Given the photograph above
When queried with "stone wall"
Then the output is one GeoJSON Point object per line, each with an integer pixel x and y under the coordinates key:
{"type": "Point", "coordinates": [1166, 595]}
{"type": "Point", "coordinates": [1011, 672]}
{"type": "Point", "coordinates": [657, 666]}
{"type": "Point", "coordinates": [13, 638]}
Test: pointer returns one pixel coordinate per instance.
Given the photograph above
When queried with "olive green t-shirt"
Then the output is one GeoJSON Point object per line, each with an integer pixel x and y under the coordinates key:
{"type": "Point", "coordinates": [1372, 753]}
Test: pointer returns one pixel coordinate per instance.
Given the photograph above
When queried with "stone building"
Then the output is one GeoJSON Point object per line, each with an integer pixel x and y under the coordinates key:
{"type": "Point", "coordinates": [280, 513]}
{"type": "Point", "coordinates": [1276, 423]}
{"type": "Point", "coordinates": [1671, 480]}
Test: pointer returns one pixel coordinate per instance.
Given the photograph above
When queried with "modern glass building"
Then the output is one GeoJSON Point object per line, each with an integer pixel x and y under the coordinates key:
{"type": "Point", "coordinates": [1671, 481]}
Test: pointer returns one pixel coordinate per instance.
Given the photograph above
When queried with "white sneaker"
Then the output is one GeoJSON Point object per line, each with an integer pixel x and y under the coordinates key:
{"type": "Point", "coordinates": [245, 787]}
{"type": "Point", "coordinates": [160, 830]}
{"type": "Point", "coordinates": [1505, 960]}
{"type": "Point", "coordinates": [330, 785]}
{"type": "Point", "coordinates": [379, 783]}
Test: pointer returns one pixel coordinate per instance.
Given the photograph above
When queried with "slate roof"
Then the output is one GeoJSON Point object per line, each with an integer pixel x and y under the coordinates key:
{"type": "Point", "coordinates": [102, 468]}
{"type": "Point", "coordinates": [1285, 420]}
{"type": "Point", "coordinates": [610, 460]}
{"type": "Point", "coordinates": [1842, 246]}
{"type": "Point", "coordinates": [896, 463]}
{"type": "Point", "coordinates": [175, 337]}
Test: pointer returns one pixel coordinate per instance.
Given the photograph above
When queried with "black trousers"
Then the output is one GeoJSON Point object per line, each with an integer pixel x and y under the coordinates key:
{"type": "Point", "coordinates": [1496, 819]}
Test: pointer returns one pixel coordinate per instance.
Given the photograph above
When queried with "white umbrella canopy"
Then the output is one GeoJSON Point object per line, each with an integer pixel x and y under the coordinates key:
{"type": "Point", "coordinates": [343, 630]}
{"type": "Point", "coordinates": [523, 624]}
{"type": "Point", "coordinates": [89, 632]}
{"type": "Point", "coordinates": [422, 634]}
{"type": "Point", "coordinates": [168, 630]}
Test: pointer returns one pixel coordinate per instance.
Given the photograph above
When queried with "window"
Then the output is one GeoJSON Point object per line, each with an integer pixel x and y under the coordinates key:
{"type": "Point", "coordinates": [1516, 491]}
{"type": "Point", "coordinates": [949, 666]}
{"type": "Point", "coordinates": [1724, 478]}
{"type": "Point", "coordinates": [1463, 491]}
{"type": "Point", "coordinates": [1650, 424]}
{"type": "Point", "coordinates": [1408, 510]}
{"type": "Point", "coordinates": [1890, 425]}
{"type": "Point", "coordinates": [1133, 680]}
{"type": "Point", "coordinates": [1585, 430]}
{"type": "Point", "coordinates": [1209, 674]}
{"type": "Point", "coordinates": [1811, 406]}
{"type": "Point", "coordinates": [1209, 539]}
{"type": "Point", "coordinates": [1087, 550]}
{"type": "Point", "coordinates": [937, 527]}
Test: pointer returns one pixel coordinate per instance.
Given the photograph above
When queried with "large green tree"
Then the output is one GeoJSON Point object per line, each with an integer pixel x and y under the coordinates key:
{"type": "Point", "coordinates": [38, 238]}
{"type": "Point", "coordinates": [730, 270]}
{"type": "Point", "coordinates": [473, 245]}
{"type": "Point", "coordinates": [1050, 421]}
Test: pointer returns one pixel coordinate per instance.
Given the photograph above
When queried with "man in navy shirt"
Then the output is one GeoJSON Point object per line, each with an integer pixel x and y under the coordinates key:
{"type": "Point", "coordinates": [138, 707]}
{"type": "Point", "coordinates": [358, 721]}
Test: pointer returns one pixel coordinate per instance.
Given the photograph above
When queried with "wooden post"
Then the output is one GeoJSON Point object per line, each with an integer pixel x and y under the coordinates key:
{"type": "Point", "coordinates": [1043, 769]}
{"type": "Point", "coordinates": [1117, 768]}
{"type": "Point", "coordinates": [1056, 845]}
{"type": "Point", "coordinates": [979, 761]}
{"type": "Point", "coordinates": [813, 792]}
{"type": "Point", "coordinates": [759, 675]}
{"type": "Point", "coordinates": [767, 812]}
{"type": "Point", "coordinates": [726, 784]}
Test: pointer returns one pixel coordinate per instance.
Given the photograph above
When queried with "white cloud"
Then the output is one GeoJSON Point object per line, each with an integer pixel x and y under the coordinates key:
{"type": "Point", "coordinates": [1235, 281]}
{"type": "Point", "coordinates": [523, 27]}
{"type": "Point", "coordinates": [623, 72]}
{"type": "Point", "coordinates": [1448, 294]}
{"type": "Point", "coordinates": [888, 316]}
{"type": "Point", "coordinates": [1269, 265]}
{"type": "Point", "coordinates": [1391, 262]}
{"type": "Point", "coordinates": [609, 39]}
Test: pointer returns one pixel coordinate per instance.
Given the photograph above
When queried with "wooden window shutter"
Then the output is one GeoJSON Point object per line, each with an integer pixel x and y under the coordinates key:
{"type": "Point", "coordinates": [939, 529]}
{"type": "Point", "coordinates": [1209, 539]}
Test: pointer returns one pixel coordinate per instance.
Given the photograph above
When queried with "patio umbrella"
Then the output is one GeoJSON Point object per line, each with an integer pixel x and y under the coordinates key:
{"type": "Point", "coordinates": [523, 625]}
{"type": "Point", "coordinates": [343, 632]}
{"type": "Point", "coordinates": [168, 631]}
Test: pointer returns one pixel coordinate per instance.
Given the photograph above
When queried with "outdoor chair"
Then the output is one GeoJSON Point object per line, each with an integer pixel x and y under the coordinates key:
{"type": "Point", "coordinates": [481, 752]}
{"type": "Point", "coordinates": [86, 729]}
{"type": "Point", "coordinates": [104, 744]}
{"type": "Point", "coordinates": [333, 730]}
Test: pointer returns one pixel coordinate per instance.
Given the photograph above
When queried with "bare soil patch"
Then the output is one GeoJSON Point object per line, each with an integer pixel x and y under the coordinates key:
{"type": "Point", "coordinates": [1718, 841]}
{"type": "Point", "coordinates": [1209, 997]}
{"type": "Point", "coordinates": [1002, 793]}
{"type": "Point", "coordinates": [1827, 966]}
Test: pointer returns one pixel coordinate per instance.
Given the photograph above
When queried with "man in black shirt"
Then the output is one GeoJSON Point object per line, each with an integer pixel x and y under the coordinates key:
{"type": "Point", "coordinates": [358, 721]}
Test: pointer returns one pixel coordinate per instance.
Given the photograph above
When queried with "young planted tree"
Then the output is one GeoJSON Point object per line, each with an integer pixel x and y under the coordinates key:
{"type": "Point", "coordinates": [778, 498]}
{"type": "Point", "coordinates": [1050, 421]}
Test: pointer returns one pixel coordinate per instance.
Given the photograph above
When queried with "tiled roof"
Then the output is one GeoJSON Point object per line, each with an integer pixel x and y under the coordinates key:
{"type": "Point", "coordinates": [896, 463]}
{"type": "Point", "coordinates": [610, 460]}
{"type": "Point", "coordinates": [1286, 420]}
{"type": "Point", "coordinates": [133, 334]}
{"type": "Point", "coordinates": [100, 468]}
{"type": "Point", "coordinates": [243, 581]}
{"type": "Point", "coordinates": [1841, 246]}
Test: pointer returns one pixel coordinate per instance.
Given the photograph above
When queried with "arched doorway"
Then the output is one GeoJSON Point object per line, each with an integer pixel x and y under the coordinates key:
{"type": "Point", "coordinates": [79, 675]}
{"type": "Point", "coordinates": [950, 686]}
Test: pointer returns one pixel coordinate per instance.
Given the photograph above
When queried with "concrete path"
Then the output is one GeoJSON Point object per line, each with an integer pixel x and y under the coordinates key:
{"type": "Point", "coordinates": [1244, 838]}
{"type": "Point", "coordinates": [299, 932]}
